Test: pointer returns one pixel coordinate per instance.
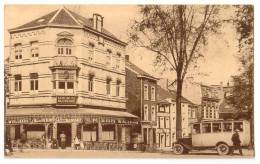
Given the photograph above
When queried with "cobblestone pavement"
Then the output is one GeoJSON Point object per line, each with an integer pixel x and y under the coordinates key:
{"type": "Point", "coordinates": [69, 153]}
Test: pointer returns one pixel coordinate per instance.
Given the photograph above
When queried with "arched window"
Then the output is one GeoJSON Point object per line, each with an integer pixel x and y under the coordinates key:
{"type": "Point", "coordinates": [64, 46]}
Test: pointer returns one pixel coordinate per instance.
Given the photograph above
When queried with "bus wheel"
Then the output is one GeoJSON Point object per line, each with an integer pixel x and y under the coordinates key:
{"type": "Point", "coordinates": [178, 149]}
{"type": "Point", "coordinates": [223, 149]}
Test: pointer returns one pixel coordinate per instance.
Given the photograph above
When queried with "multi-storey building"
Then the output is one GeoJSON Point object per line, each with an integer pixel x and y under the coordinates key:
{"type": "Point", "coordinates": [166, 117]}
{"type": "Point", "coordinates": [68, 74]}
{"type": "Point", "coordinates": [141, 90]}
{"type": "Point", "coordinates": [211, 98]}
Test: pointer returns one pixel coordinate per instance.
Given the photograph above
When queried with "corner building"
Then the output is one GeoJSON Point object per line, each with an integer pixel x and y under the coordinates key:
{"type": "Point", "coordinates": [68, 74]}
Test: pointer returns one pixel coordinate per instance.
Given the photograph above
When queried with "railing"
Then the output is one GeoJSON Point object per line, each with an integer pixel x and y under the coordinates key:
{"type": "Point", "coordinates": [67, 61]}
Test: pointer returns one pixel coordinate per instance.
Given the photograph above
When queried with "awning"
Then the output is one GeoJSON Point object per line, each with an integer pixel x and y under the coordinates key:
{"type": "Point", "coordinates": [77, 111]}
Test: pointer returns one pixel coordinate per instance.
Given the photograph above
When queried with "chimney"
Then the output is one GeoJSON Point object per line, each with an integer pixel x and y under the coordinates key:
{"type": "Point", "coordinates": [126, 57]}
{"type": "Point", "coordinates": [98, 21]}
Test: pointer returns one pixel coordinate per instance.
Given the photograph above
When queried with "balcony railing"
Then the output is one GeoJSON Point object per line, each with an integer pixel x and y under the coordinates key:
{"type": "Point", "coordinates": [65, 61]}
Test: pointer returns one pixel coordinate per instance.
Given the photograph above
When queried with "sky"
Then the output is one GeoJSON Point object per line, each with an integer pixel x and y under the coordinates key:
{"type": "Point", "coordinates": [219, 63]}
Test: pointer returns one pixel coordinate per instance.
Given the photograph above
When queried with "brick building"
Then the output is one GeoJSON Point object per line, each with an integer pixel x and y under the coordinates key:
{"type": "Point", "coordinates": [141, 90]}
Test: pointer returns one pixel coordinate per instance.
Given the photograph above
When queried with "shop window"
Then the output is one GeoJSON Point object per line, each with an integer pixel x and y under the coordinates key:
{"type": "Point", "coordinates": [108, 132]}
{"type": "Point", "coordinates": [118, 83]}
{"type": "Point", "coordinates": [90, 132]}
{"type": "Point", "coordinates": [146, 113]}
{"type": "Point", "coordinates": [33, 81]}
{"type": "Point", "coordinates": [34, 131]}
{"type": "Point", "coordinates": [145, 91]}
{"type": "Point", "coordinates": [17, 83]}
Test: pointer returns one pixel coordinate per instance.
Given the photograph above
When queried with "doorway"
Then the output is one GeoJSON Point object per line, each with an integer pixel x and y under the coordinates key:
{"type": "Point", "coordinates": [66, 128]}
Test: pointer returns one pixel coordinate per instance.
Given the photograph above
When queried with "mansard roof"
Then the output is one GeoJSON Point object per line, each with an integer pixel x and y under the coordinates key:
{"type": "Point", "coordinates": [64, 17]}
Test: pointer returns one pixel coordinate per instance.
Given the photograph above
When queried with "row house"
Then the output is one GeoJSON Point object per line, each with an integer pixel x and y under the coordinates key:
{"type": "Point", "coordinates": [68, 74]}
{"type": "Point", "coordinates": [166, 117]}
{"type": "Point", "coordinates": [141, 91]}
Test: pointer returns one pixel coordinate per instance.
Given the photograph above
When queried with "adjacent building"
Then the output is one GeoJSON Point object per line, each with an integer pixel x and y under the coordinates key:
{"type": "Point", "coordinates": [68, 74]}
{"type": "Point", "coordinates": [166, 117]}
{"type": "Point", "coordinates": [141, 91]}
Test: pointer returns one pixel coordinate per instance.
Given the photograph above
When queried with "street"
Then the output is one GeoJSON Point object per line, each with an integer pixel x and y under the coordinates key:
{"type": "Point", "coordinates": [69, 153]}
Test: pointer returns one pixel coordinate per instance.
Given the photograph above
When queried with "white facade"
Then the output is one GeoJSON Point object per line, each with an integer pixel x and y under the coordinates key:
{"type": "Point", "coordinates": [166, 123]}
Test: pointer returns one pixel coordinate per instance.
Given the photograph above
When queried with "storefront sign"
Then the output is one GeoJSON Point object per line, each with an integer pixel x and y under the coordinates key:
{"type": "Point", "coordinates": [66, 100]}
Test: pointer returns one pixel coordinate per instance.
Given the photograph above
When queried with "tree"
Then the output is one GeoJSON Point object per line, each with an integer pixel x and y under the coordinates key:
{"type": "Point", "coordinates": [243, 95]}
{"type": "Point", "coordinates": [175, 34]}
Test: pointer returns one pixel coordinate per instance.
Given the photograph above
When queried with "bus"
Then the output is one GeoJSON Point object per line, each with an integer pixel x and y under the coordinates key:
{"type": "Point", "coordinates": [214, 134]}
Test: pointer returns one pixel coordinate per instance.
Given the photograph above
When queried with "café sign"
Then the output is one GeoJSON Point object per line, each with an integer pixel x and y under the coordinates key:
{"type": "Point", "coordinates": [66, 100]}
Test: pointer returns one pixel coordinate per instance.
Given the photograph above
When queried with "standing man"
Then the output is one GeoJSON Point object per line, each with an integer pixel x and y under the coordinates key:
{"type": "Point", "coordinates": [23, 140]}
{"type": "Point", "coordinates": [236, 142]}
{"type": "Point", "coordinates": [63, 140]}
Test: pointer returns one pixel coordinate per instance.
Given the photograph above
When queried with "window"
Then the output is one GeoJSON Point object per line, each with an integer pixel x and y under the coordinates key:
{"type": "Point", "coordinates": [146, 112]}
{"type": "Point", "coordinates": [161, 122]}
{"type": "Point", "coordinates": [17, 83]}
{"type": "Point", "coordinates": [227, 127]}
{"type": "Point", "coordinates": [162, 109]}
{"type": "Point", "coordinates": [145, 91]}
{"type": "Point", "coordinates": [70, 85]}
{"type": "Point", "coordinates": [153, 93]}
{"type": "Point", "coordinates": [61, 85]}
{"type": "Point", "coordinates": [167, 138]}
{"type": "Point", "coordinates": [108, 132]}
{"type": "Point", "coordinates": [238, 126]}
{"type": "Point", "coordinates": [167, 109]}
{"type": "Point", "coordinates": [117, 66]}
{"type": "Point", "coordinates": [118, 83]}
{"type": "Point", "coordinates": [64, 46]}
{"type": "Point", "coordinates": [206, 128]}
{"type": "Point", "coordinates": [216, 127]}
{"type": "Point", "coordinates": [18, 51]}
{"type": "Point", "coordinates": [91, 83]}
{"type": "Point", "coordinates": [167, 122]}
{"type": "Point", "coordinates": [196, 129]}
{"type": "Point", "coordinates": [153, 113]}
{"type": "Point", "coordinates": [34, 50]}
{"type": "Point", "coordinates": [108, 85]}
{"type": "Point", "coordinates": [33, 81]}
{"type": "Point", "coordinates": [108, 57]}
{"type": "Point", "coordinates": [91, 53]}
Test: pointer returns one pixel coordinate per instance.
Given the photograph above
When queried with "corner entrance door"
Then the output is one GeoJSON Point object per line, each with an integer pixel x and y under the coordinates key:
{"type": "Point", "coordinates": [66, 128]}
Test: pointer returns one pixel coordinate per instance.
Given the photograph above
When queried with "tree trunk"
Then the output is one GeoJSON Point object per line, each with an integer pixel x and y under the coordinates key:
{"type": "Point", "coordinates": [178, 110]}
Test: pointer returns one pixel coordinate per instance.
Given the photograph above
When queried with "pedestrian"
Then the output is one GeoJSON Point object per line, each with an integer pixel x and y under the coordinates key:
{"type": "Point", "coordinates": [76, 143]}
{"type": "Point", "coordinates": [23, 140]}
{"type": "Point", "coordinates": [236, 142]}
{"type": "Point", "coordinates": [63, 140]}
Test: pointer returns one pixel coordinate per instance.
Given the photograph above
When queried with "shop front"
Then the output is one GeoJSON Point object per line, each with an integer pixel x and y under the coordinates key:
{"type": "Point", "coordinates": [95, 128]}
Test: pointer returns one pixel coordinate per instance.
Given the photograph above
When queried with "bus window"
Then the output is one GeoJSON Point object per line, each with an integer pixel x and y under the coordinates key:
{"type": "Point", "coordinates": [239, 126]}
{"type": "Point", "coordinates": [206, 128]}
{"type": "Point", "coordinates": [196, 128]}
{"type": "Point", "coordinates": [227, 127]}
{"type": "Point", "coordinates": [216, 127]}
